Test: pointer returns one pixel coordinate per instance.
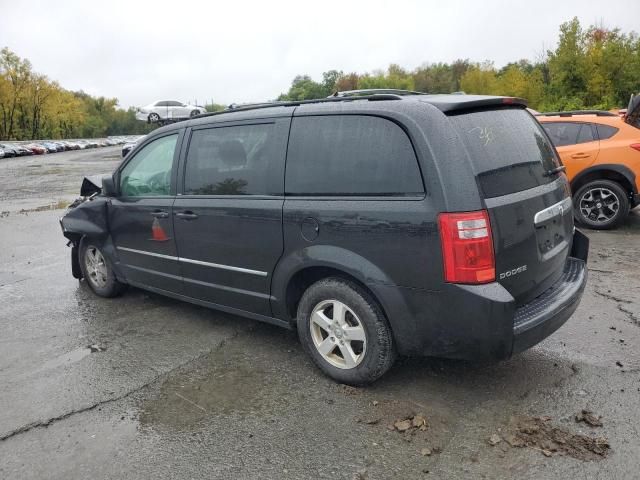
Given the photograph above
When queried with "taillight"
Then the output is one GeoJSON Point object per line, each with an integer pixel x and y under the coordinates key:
{"type": "Point", "coordinates": [635, 146]}
{"type": "Point", "coordinates": [467, 247]}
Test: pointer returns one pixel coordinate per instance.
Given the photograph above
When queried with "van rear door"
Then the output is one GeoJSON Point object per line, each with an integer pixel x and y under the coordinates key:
{"type": "Point", "coordinates": [526, 193]}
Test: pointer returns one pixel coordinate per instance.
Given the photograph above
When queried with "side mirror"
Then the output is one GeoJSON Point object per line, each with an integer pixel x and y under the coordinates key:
{"type": "Point", "coordinates": [108, 187]}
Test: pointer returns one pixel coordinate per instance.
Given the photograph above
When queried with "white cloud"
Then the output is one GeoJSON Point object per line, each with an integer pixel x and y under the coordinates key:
{"type": "Point", "coordinates": [140, 51]}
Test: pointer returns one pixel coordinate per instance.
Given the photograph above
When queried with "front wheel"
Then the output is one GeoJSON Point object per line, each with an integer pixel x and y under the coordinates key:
{"type": "Point", "coordinates": [98, 273]}
{"type": "Point", "coordinates": [601, 204]}
{"type": "Point", "coordinates": [194, 113]}
{"type": "Point", "coordinates": [154, 118]}
{"type": "Point", "coordinates": [345, 332]}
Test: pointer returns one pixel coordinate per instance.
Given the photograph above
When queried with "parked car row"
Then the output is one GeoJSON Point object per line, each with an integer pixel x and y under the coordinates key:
{"type": "Point", "coordinates": [53, 146]}
{"type": "Point", "coordinates": [127, 147]}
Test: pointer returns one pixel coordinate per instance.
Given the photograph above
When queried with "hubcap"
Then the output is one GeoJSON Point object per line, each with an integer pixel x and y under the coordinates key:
{"type": "Point", "coordinates": [96, 267]}
{"type": "Point", "coordinates": [599, 205]}
{"type": "Point", "coordinates": [338, 334]}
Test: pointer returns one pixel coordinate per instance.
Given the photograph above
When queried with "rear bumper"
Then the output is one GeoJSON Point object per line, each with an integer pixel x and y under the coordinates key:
{"type": "Point", "coordinates": [539, 318]}
{"type": "Point", "coordinates": [482, 321]}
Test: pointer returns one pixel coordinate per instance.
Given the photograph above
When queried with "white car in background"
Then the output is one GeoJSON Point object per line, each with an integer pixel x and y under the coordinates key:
{"type": "Point", "coordinates": [166, 110]}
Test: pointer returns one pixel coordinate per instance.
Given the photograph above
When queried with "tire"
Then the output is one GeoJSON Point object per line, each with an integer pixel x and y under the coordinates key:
{"type": "Point", "coordinates": [194, 113]}
{"type": "Point", "coordinates": [601, 204]}
{"type": "Point", "coordinates": [366, 360]}
{"type": "Point", "coordinates": [99, 276]}
{"type": "Point", "coordinates": [154, 117]}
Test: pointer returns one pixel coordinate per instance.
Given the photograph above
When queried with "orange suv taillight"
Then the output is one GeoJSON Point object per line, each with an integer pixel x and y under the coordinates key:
{"type": "Point", "coordinates": [467, 247]}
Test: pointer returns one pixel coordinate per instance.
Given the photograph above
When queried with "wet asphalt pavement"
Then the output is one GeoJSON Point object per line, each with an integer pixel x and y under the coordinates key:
{"type": "Point", "coordinates": [146, 387]}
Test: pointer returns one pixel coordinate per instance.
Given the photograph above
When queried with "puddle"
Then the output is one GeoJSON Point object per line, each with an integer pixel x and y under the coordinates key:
{"type": "Point", "coordinates": [66, 359]}
{"type": "Point", "coordinates": [237, 380]}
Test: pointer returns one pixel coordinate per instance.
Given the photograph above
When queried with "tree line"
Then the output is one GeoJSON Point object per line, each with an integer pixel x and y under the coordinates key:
{"type": "Point", "coordinates": [592, 67]}
{"type": "Point", "coordinates": [34, 107]}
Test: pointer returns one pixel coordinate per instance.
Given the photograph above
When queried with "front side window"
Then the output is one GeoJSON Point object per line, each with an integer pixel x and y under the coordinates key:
{"type": "Point", "coordinates": [350, 155]}
{"type": "Point", "coordinates": [235, 160]}
{"type": "Point", "coordinates": [148, 173]}
{"type": "Point", "coordinates": [569, 133]}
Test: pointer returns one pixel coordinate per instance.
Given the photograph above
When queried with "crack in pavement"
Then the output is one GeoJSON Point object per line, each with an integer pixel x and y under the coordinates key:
{"type": "Point", "coordinates": [631, 315]}
{"type": "Point", "coordinates": [619, 305]}
{"type": "Point", "coordinates": [52, 420]}
{"type": "Point", "coordinates": [608, 296]}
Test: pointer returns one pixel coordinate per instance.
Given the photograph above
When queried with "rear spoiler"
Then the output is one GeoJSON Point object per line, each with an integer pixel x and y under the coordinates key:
{"type": "Point", "coordinates": [454, 103]}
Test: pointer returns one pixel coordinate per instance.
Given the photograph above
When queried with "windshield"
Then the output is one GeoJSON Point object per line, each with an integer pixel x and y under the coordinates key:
{"type": "Point", "coordinates": [509, 150]}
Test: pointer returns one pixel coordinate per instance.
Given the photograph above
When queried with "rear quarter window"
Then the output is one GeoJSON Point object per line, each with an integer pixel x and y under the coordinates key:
{"type": "Point", "coordinates": [508, 149]}
{"type": "Point", "coordinates": [606, 131]}
{"type": "Point", "coordinates": [344, 155]}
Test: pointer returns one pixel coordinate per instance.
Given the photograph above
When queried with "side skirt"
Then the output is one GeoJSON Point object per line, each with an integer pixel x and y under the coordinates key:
{"type": "Point", "coordinates": [216, 306]}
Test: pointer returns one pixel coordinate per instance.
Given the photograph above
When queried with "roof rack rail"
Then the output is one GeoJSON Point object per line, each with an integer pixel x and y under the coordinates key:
{"type": "Point", "coordinates": [374, 91]}
{"type": "Point", "coordinates": [294, 103]}
{"type": "Point", "coordinates": [569, 113]}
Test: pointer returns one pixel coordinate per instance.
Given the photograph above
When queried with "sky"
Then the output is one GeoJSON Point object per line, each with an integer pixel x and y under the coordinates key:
{"type": "Point", "coordinates": [141, 51]}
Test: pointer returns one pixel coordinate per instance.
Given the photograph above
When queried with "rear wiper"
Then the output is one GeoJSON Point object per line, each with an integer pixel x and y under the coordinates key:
{"type": "Point", "coordinates": [553, 171]}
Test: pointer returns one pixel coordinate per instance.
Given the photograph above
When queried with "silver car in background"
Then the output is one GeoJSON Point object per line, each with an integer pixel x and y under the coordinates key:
{"type": "Point", "coordinates": [167, 110]}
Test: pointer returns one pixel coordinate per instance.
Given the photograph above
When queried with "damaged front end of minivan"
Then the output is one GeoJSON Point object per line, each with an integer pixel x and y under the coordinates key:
{"type": "Point", "coordinates": [86, 217]}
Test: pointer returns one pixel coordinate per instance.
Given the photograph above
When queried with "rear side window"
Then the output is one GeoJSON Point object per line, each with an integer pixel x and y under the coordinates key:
{"type": "Point", "coordinates": [508, 149]}
{"type": "Point", "coordinates": [232, 161]}
{"type": "Point", "coordinates": [605, 131]}
{"type": "Point", "coordinates": [350, 155]}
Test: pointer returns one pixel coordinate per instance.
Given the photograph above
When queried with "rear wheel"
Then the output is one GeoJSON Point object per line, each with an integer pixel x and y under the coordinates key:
{"type": "Point", "coordinates": [345, 332]}
{"type": "Point", "coordinates": [601, 204]}
{"type": "Point", "coordinates": [98, 273]}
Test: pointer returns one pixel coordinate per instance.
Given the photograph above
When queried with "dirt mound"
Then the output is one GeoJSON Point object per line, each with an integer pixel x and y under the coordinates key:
{"type": "Point", "coordinates": [539, 433]}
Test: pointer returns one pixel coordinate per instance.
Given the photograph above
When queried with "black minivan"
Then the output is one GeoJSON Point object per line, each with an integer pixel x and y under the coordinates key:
{"type": "Point", "coordinates": [377, 224]}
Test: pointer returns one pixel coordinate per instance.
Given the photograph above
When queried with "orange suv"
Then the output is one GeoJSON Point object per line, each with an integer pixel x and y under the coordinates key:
{"type": "Point", "coordinates": [601, 153]}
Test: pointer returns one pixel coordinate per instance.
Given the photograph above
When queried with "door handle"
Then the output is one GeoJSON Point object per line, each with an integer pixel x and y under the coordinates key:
{"type": "Point", "coordinates": [159, 214]}
{"type": "Point", "coordinates": [580, 155]}
{"type": "Point", "coordinates": [186, 215]}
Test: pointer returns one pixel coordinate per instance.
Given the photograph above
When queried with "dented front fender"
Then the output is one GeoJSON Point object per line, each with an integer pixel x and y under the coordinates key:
{"type": "Point", "coordinates": [88, 218]}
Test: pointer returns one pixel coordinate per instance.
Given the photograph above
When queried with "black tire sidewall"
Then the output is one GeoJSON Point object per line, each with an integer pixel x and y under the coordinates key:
{"type": "Point", "coordinates": [112, 287]}
{"type": "Point", "coordinates": [623, 209]}
{"type": "Point", "coordinates": [380, 348]}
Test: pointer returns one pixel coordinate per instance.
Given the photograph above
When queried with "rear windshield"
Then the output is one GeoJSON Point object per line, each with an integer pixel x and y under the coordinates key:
{"type": "Point", "coordinates": [508, 149]}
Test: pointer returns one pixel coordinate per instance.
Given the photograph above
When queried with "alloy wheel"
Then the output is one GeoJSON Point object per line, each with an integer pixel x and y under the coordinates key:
{"type": "Point", "coordinates": [599, 205]}
{"type": "Point", "coordinates": [96, 267]}
{"type": "Point", "coordinates": [338, 334]}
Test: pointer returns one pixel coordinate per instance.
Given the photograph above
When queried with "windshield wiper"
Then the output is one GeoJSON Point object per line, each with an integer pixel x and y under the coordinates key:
{"type": "Point", "coordinates": [553, 171]}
